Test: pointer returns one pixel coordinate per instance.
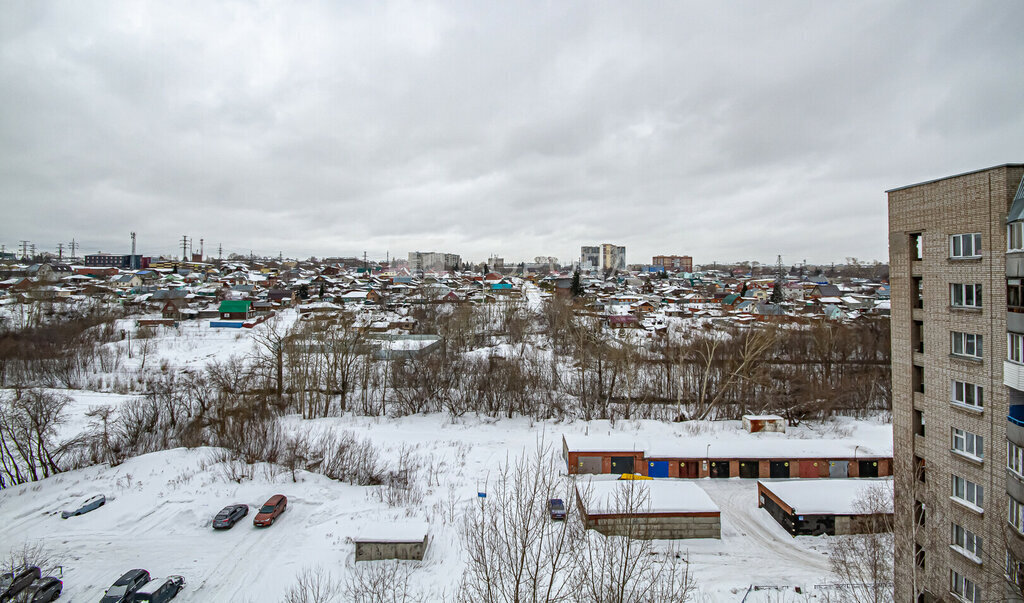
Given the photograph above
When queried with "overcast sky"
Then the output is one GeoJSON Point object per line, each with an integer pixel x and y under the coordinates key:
{"type": "Point", "coordinates": [726, 132]}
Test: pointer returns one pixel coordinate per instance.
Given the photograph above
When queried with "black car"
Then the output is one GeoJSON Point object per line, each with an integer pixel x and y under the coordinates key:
{"type": "Point", "coordinates": [122, 590]}
{"type": "Point", "coordinates": [159, 590]}
{"type": "Point", "coordinates": [41, 591]}
{"type": "Point", "coordinates": [229, 515]}
{"type": "Point", "coordinates": [556, 508]}
{"type": "Point", "coordinates": [14, 582]}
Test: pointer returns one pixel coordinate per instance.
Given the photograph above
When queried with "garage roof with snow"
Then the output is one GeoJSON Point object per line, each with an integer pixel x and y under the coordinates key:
{"type": "Point", "coordinates": [832, 496]}
{"type": "Point", "coordinates": [609, 497]}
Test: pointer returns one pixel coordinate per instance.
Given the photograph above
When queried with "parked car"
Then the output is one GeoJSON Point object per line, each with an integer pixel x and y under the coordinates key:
{"type": "Point", "coordinates": [556, 508]}
{"type": "Point", "coordinates": [229, 515]}
{"type": "Point", "coordinates": [41, 591]}
{"type": "Point", "coordinates": [270, 511]}
{"type": "Point", "coordinates": [159, 590]}
{"type": "Point", "coordinates": [90, 504]}
{"type": "Point", "coordinates": [14, 582]}
{"type": "Point", "coordinates": [122, 590]}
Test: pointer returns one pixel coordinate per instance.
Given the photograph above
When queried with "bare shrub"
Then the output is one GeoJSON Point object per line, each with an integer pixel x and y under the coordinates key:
{"type": "Point", "coordinates": [343, 457]}
{"type": "Point", "coordinates": [314, 585]}
{"type": "Point", "coordinates": [32, 553]}
{"type": "Point", "coordinates": [382, 582]}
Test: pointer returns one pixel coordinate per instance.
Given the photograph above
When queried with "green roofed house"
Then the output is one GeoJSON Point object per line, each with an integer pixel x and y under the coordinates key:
{"type": "Point", "coordinates": [235, 309]}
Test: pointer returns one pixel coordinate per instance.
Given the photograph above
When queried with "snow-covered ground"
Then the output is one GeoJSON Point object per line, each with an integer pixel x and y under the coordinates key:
{"type": "Point", "coordinates": [159, 508]}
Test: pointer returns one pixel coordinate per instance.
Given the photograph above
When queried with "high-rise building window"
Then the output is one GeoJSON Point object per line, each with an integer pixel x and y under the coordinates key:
{"type": "Point", "coordinates": [965, 295]}
{"type": "Point", "coordinates": [969, 492]}
{"type": "Point", "coordinates": [968, 444]}
{"type": "Point", "coordinates": [968, 394]}
{"type": "Point", "coordinates": [1015, 236]}
{"type": "Point", "coordinates": [1015, 347]}
{"type": "Point", "coordinates": [966, 542]}
{"type": "Point", "coordinates": [966, 344]}
{"type": "Point", "coordinates": [1015, 459]}
{"type": "Point", "coordinates": [964, 588]}
{"type": "Point", "coordinates": [965, 245]}
{"type": "Point", "coordinates": [1015, 516]}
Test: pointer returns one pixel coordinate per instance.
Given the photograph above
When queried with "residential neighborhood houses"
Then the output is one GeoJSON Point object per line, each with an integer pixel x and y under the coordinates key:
{"type": "Point", "coordinates": [644, 297]}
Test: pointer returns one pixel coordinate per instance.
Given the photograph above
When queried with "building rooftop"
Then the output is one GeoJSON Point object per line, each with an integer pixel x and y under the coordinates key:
{"type": "Point", "coordinates": [1004, 165]}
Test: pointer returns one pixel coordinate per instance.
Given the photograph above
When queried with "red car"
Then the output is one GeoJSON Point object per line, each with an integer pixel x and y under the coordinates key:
{"type": "Point", "coordinates": [270, 510]}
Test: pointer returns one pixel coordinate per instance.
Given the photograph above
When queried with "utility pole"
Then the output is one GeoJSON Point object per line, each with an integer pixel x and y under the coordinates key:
{"type": "Point", "coordinates": [60, 252]}
{"type": "Point", "coordinates": [74, 246]}
{"type": "Point", "coordinates": [184, 247]}
{"type": "Point", "coordinates": [132, 262]}
{"type": "Point", "coordinates": [202, 254]}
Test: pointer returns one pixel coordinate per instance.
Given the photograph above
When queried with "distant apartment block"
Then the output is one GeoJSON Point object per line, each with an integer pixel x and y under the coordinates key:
{"type": "Point", "coordinates": [603, 257]}
{"type": "Point", "coordinates": [433, 260]}
{"type": "Point", "coordinates": [682, 263]}
{"type": "Point", "coordinates": [115, 260]}
{"type": "Point", "coordinates": [957, 262]}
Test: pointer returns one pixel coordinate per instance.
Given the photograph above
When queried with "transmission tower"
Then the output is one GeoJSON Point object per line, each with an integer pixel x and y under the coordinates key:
{"type": "Point", "coordinates": [60, 252]}
{"type": "Point", "coordinates": [184, 247]}
{"type": "Point", "coordinates": [24, 250]}
{"type": "Point", "coordinates": [73, 246]}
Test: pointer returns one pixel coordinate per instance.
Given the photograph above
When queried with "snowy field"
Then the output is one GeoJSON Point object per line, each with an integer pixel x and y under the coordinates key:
{"type": "Point", "coordinates": [160, 506]}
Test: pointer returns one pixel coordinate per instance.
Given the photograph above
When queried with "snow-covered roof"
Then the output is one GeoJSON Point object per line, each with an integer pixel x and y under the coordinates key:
{"type": "Point", "coordinates": [601, 497]}
{"type": "Point", "coordinates": [737, 444]}
{"type": "Point", "coordinates": [410, 530]}
{"type": "Point", "coordinates": [833, 496]}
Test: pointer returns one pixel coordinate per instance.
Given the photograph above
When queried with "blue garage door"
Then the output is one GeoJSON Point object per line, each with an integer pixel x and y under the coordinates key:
{"type": "Point", "coordinates": [657, 468]}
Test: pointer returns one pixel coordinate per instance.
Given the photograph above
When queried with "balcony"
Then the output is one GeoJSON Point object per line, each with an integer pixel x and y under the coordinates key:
{"type": "Point", "coordinates": [1013, 375]}
{"type": "Point", "coordinates": [1014, 321]}
{"type": "Point", "coordinates": [1015, 427]}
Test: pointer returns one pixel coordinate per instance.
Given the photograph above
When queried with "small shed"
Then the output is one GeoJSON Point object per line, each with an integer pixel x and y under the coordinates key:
{"type": "Point", "coordinates": [756, 423]}
{"type": "Point", "coordinates": [391, 540]}
{"type": "Point", "coordinates": [648, 509]}
{"type": "Point", "coordinates": [833, 507]}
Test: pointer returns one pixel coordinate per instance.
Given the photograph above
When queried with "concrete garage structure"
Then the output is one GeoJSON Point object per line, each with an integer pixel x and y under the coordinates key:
{"type": "Point", "coordinates": [833, 507]}
{"type": "Point", "coordinates": [391, 541]}
{"type": "Point", "coordinates": [648, 509]}
{"type": "Point", "coordinates": [761, 455]}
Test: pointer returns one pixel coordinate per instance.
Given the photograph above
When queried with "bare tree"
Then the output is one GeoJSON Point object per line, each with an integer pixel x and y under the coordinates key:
{"type": "Point", "coordinates": [864, 562]}
{"type": "Point", "coordinates": [515, 552]}
{"type": "Point", "coordinates": [382, 582]}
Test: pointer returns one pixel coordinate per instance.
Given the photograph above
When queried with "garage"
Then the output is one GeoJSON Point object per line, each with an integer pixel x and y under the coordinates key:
{"type": "Point", "coordinates": [719, 468]}
{"type": "Point", "coordinates": [622, 464]}
{"type": "Point", "coordinates": [589, 464]}
{"type": "Point", "coordinates": [838, 469]}
{"type": "Point", "coordinates": [750, 469]}
{"type": "Point", "coordinates": [689, 469]}
{"type": "Point", "coordinates": [778, 469]}
{"type": "Point", "coordinates": [867, 468]}
{"type": "Point", "coordinates": [662, 509]}
{"type": "Point", "coordinates": [657, 468]}
{"type": "Point", "coordinates": [832, 507]}
{"type": "Point", "coordinates": [810, 469]}
{"type": "Point", "coordinates": [391, 540]}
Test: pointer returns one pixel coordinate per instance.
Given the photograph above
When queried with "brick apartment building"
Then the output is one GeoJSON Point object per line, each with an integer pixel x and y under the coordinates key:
{"type": "Point", "coordinates": [951, 276]}
{"type": "Point", "coordinates": [682, 263]}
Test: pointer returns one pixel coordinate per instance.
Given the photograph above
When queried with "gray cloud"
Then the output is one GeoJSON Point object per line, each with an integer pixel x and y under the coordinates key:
{"type": "Point", "coordinates": [725, 132]}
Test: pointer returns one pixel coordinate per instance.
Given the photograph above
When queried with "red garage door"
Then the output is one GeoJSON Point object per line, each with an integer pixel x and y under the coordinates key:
{"type": "Point", "coordinates": [810, 469]}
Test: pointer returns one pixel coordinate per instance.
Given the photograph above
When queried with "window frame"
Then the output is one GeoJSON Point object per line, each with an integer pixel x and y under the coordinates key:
{"type": "Point", "coordinates": [1015, 514]}
{"type": "Point", "coordinates": [1017, 236]}
{"type": "Point", "coordinates": [963, 588]}
{"type": "Point", "coordinates": [1015, 349]}
{"type": "Point", "coordinates": [962, 241]}
{"type": "Point", "coordinates": [961, 290]}
{"type": "Point", "coordinates": [1015, 459]}
{"type": "Point", "coordinates": [966, 542]}
{"type": "Point", "coordinates": [970, 443]}
{"type": "Point", "coordinates": [976, 400]}
{"type": "Point", "coordinates": [973, 494]}
{"type": "Point", "coordinates": [968, 342]}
